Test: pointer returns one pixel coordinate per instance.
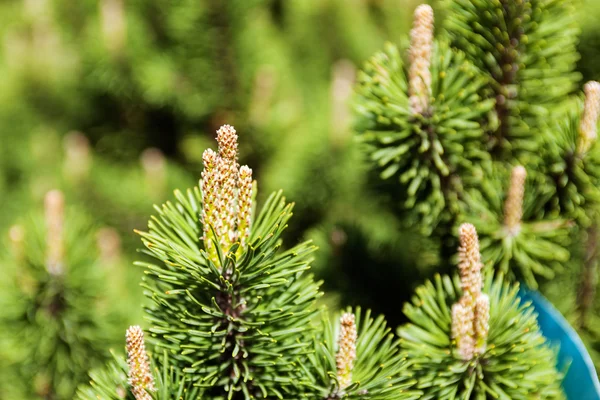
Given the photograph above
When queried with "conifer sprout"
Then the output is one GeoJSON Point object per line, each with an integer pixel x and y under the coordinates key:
{"type": "Point", "coordinates": [54, 204]}
{"type": "Point", "coordinates": [588, 127]}
{"type": "Point", "coordinates": [346, 350]}
{"type": "Point", "coordinates": [357, 357]}
{"type": "Point", "coordinates": [140, 376]}
{"type": "Point", "coordinates": [470, 337]}
{"type": "Point", "coordinates": [424, 127]}
{"type": "Point", "coordinates": [227, 195]}
{"type": "Point", "coordinates": [469, 315]}
{"type": "Point", "coordinates": [230, 307]}
{"type": "Point", "coordinates": [513, 205]}
{"type": "Point", "coordinates": [111, 382]}
{"type": "Point", "coordinates": [421, 47]}
{"type": "Point", "coordinates": [114, 25]}
{"type": "Point", "coordinates": [232, 315]}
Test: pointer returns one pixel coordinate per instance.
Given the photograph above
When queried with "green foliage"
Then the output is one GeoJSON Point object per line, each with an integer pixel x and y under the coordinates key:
{"type": "Point", "coordinates": [537, 247]}
{"type": "Point", "coordinates": [517, 364]}
{"type": "Point", "coordinates": [55, 326]}
{"type": "Point", "coordinates": [527, 48]}
{"type": "Point", "coordinates": [380, 370]}
{"type": "Point", "coordinates": [434, 155]}
{"type": "Point", "coordinates": [240, 326]}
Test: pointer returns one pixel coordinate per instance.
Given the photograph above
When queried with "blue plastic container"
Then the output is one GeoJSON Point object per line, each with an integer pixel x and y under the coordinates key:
{"type": "Point", "coordinates": [581, 381]}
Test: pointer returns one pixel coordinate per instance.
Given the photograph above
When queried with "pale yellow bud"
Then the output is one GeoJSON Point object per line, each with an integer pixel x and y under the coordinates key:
{"type": "Point", "coordinates": [140, 375]}
{"type": "Point", "coordinates": [470, 316]}
{"type": "Point", "coordinates": [113, 22]}
{"type": "Point", "coordinates": [245, 205]}
{"type": "Point", "coordinates": [226, 195]}
{"type": "Point", "coordinates": [482, 322]}
{"type": "Point", "coordinates": [228, 142]}
{"type": "Point", "coordinates": [421, 48]}
{"type": "Point", "coordinates": [469, 260]}
{"type": "Point", "coordinates": [588, 128]}
{"type": "Point", "coordinates": [513, 205]}
{"type": "Point", "coordinates": [210, 202]}
{"type": "Point", "coordinates": [54, 204]}
{"type": "Point", "coordinates": [462, 331]}
{"type": "Point", "coordinates": [346, 354]}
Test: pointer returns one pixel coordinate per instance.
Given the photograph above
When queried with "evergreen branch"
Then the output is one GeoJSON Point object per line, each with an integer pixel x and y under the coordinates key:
{"type": "Point", "coordinates": [527, 48]}
{"type": "Point", "coordinates": [518, 362]}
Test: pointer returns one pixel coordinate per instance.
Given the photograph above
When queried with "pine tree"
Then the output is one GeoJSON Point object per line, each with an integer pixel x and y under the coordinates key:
{"type": "Point", "coordinates": [424, 123]}
{"type": "Point", "coordinates": [538, 224]}
{"type": "Point", "coordinates": [232, 314]}
{"type": "Point", "coordinates": [58, 322]}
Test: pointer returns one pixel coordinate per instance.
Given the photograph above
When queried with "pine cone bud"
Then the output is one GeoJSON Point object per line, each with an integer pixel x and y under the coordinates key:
{"type": "Point", "coordinates": [227, 140]}
{"type": "Point", "coordinates": [470, 316]}
{"type": "Point", "coordinates": [210, 202]}
{"type": "Point", "coordinates": [421, 48]}
{"type": "Point", "coordinates": [482, 322]}
{"type": "Point", "coordinates": [346, 354]}
{"type": "Point", "coordinates": [513, 205]}
{"type": "Point", "coordinates": [228, 177]}
{"type": "Point", "coordinates": [462, 331]}
{"type": "Point", "coordinates": [226, 196]}
{"type": "Point", "coordinates": [588, 128]}
{"type": "Point", "coordinates": [140, 376]}
{"type": "Point", "coordinates": [54, 203]}
{"type": "Point", "coordinates": [245, 204]}
{"type": "Point", "coordinates": [469, 260]}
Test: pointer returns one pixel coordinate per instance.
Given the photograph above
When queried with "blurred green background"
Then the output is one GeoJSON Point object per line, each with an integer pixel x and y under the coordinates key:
{"type": "Point", "coordinates": [114, 101]}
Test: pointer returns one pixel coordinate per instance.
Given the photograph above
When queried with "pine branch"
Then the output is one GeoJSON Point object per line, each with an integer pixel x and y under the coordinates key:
{"type": "Point", "coordinates": [50, 299]}
{"type": "Point", "coordinates": [515, 362]}
{"type": "Point", "coordinates": [357, 357]}
{"type": "Point", "coordinates": [527, 48]}
{"type": "Point", "coordinates": [435, 152]}
{"type": "Point", "coordinates": [232, 308]}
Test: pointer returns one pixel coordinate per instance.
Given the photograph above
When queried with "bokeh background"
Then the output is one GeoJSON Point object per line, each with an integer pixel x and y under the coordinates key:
{"type": "Point", "coordinates": [114, 101]}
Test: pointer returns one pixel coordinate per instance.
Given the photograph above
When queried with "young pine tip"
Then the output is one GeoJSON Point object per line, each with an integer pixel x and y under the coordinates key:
{"type": "Point", "coordinates": [54, 212]}
{"type": "Point", "coordinates": [469, 259]}
{"type": "Point", "coordinates": [421, 47]}
{"type": "Point", "coordinates": [141, 380]}
{"type": "Point", "coordinates": [226, 195]}
{"type": "Point", "coordinates": [470, 315]}
{"type": "Point", "coordinates": [513, 205]}
{"type": "Point", "coordinates": [588, 128]}
{"type": "Point", "coordinates": [346, 354]}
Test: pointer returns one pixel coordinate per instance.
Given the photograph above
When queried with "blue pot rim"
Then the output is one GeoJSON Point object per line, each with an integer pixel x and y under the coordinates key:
{"type": "Point", "coordinates": [581, 380]}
